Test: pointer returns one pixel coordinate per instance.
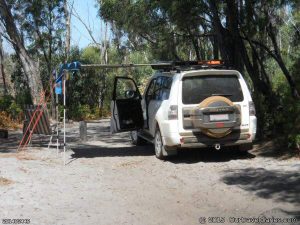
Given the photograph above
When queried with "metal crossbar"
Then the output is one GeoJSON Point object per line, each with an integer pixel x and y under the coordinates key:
{"type": "Point", "coordinates": [165, 66]}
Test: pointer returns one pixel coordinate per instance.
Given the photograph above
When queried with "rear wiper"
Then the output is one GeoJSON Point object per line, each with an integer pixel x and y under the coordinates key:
{"type": "Point", "coordinates": [221, 94]}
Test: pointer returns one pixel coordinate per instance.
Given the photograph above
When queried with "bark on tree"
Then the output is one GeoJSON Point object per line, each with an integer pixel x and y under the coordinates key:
{"type": "Point", "coordinates": [104, 60]}
{"type": "Point", "coordinates": [290, 79]}
{"type": "Point", "coordinates": [68, 29]}
{"type": "Point", "coordinates": [2, 72]}
{"type": "Point", "coordinates": [233, 39]}
{"type": "Point", "coordinates": [232, 46]}
{"type": "Point", "coordinates": [219, 30]}
{"type": "Point", "coordinates": [29, 65]}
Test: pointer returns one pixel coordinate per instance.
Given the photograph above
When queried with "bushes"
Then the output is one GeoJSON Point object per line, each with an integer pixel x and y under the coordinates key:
{"type": "Point", "coordinates": [5, 102]}
{"type": "Point", "coordinates": [287, 117]}
{"type": "Point", "coordinates": [7, 122]}
{"type": "Point", "coordinates": [4, 120]}
{"type": "Point", "coordinates": [9, 105]}
{"type": "Point", "coordinates": [287, 121]}
{"type": "Point", "coordinates": [84, 112]}
{"type": "Point", "coordinates": [10, 112]}
{"type": "Point", "coordinates": [15, 111]}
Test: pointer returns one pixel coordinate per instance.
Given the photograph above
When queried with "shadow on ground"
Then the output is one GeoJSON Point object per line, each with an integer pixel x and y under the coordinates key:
{"type": "Point", "coordinates": [184, 156]}
{"type": "Point", "coordinates": [10, 144]}
{"type": "Point", "coordinates": [282, 186]}
{"type": "Point", "coordinates": [91, 151]}
{"type": "Point", "coordinates": [209, 155]}
{"type": "Point", "coordinates": [270, 149]}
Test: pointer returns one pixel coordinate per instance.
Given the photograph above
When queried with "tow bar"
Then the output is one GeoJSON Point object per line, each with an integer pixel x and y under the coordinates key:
{"type": "Point", "coordinates": [217, 146]}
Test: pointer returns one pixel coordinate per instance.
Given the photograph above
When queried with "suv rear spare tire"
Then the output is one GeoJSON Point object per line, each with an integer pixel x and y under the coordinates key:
{"type": "Point", "coordinates": [216, 116]}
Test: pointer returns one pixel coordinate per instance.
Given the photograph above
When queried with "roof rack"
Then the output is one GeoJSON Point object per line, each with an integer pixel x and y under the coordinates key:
{"type": "Point", "coordinates": [162, 66]}
{"type": "Point", "coordinates": [190, 65]}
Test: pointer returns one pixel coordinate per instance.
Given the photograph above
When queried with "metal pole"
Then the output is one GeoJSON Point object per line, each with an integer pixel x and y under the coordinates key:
{"type": "Point", "coordinates": [57, 118]}
{"type": "Point", "coordinates": [123, 65]}
{"type": "Point", "coordinates": [64, 86]}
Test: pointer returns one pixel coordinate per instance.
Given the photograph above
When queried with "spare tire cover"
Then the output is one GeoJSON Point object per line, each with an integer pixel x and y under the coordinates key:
{"type": "Point", "coordinates": [216, 116]}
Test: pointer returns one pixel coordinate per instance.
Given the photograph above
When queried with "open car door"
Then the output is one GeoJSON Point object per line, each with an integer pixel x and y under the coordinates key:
{"type": "Point", "coordinates": [126, 109]}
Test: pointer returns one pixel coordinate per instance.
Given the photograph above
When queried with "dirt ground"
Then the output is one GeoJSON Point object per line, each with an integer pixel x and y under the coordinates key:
{"type": "Point", "coordinates": [109, 181]}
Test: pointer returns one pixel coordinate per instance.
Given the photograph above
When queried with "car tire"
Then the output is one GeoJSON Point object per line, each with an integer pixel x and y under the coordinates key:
{"type": "Point", "coordinates": [158, 145]}
{"type": "Point", "coordinates": [135, 139]}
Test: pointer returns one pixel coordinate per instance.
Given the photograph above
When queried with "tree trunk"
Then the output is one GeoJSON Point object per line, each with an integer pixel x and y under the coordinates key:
{"type": "Point", "coordinates": [2, 73]}
{"type": "Point", "coordinates": [30, 66]}
{"type": "Point", "coordinates": [104, 60]}
{"type": "Point", "coordinates": [68, 30]}
{"type": "Point", "coordinates": [219, 30]}
{"type": "Point", "coordinates": [290, 79]}
{"type": "Point", "coordinates": [214, 41]}
{"type": "Point", "coordinates": [233, 37]}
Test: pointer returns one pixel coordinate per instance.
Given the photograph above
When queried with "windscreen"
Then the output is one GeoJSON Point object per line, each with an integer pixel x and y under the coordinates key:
{"type": "Point", "coordinates": [196, 89]}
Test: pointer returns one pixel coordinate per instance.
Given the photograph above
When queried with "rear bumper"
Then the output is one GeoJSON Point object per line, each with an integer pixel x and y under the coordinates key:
{"type": "Point", "coordinates": [189, 139]}
{"type": "Point", "coordinates": [211, 144]}
{"type": "Point", "coordinates": [199, 140]}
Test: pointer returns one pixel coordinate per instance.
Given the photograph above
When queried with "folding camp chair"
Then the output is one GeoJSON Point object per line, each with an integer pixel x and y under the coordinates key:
{"type": "Point", "coordinates": [36, 117]}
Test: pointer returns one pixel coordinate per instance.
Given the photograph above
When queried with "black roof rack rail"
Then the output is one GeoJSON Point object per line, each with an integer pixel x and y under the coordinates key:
{"type": "Point", "coordinates": [190, 65]}
{"type": "Point", "coordinates": [162, 66]}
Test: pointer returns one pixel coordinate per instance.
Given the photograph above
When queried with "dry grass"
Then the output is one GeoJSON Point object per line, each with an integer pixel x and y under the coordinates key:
{"type": "Point", "coordinates": [23, 170]}
{"type": "Point", "coordinates": [6, 122]}
{"type": "Point", "coordinates": [5, 181]}
{"type": "Point", "coordinates": [24, 156]}
{"type": "Point", "coordinates": [131, 164]}
{"type": "Point", "coordinates": [8, 155]}
{"type": "Point", "coordinates": [19, 156]}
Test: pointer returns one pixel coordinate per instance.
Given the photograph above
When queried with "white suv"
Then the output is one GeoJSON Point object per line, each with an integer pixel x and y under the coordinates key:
{"type": "Point", "coordinates": [189, 107]}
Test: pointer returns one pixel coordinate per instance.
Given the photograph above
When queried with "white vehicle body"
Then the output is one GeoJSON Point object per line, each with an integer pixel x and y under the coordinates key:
{"type": "Point", "coordinates": [170, 115]}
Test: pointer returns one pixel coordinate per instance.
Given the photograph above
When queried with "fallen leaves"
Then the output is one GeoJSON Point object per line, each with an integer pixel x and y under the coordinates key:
{"type": "Point", "coordinates": [5, 181]}
{"type": "Point", "coordinates": [7, 122]}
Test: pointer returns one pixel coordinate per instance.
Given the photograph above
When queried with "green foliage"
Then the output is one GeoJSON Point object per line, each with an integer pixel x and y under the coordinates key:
{"type": "Point", "coordinates": [42, 26]}
{"type": "Point", "coordinates": [152, 24]}
{"type": "Point", "coordinates": [90, 54]}
{"type": "Point", "coordinates": [5, 102]}
{"type": "Point", "coordinates": [267, 30]}
{"type": "Point", "coordinates": [84, 112]}
{"type": "Point", "coordinates": [149, 31]}
{"type": "Point", "coordinates": [90, 90]}
{"type": "Point", "coordinates": [14, 110]}
{"type": "Point", "coordinates": [9, 105]}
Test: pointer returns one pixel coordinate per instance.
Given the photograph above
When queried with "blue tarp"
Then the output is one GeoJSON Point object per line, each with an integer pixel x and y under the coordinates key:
{"type": "Point", "coordinates": [74, 66]}
{"type": "Point", "coordinates": [58, 88]}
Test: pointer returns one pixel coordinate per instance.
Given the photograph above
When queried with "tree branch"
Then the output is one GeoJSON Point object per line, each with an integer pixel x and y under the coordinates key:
{"type": "Point", "coordinates": [87, 27]}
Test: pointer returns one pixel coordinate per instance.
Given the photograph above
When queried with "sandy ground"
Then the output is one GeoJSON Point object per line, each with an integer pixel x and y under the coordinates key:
{"type": "Point", "coordinates": [109, 181]}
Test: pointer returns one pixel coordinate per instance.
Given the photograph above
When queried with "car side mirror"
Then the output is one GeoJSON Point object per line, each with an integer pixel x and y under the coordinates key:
{"type": "Point", "coordinates": [130, 94]}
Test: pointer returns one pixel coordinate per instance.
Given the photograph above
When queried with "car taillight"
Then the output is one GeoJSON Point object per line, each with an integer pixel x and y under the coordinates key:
{"type": "Point", "coordinates": [251, 109]}
{"type": "Point", "coordinates": [173, 112]}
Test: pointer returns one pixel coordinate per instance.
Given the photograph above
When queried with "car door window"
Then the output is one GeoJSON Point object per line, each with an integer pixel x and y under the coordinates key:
{"type": "Point", "coordinates": [165, 88]}
{"type": "Point", "coordinates": [125, 89]}
{"type": "Point", "coordinates": [150, 90]}
{"type": "Point", "coordinates": [157, 89]}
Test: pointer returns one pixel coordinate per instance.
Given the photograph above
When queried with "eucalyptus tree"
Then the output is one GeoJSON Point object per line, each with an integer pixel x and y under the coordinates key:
{"type": "Point", "coordinates": [2, 72]}
{"type": "Point", "coordinates": [259, 38]}
{"type": "Point", "coordinates": [36, 30]}
{"type": "Point", "coordinates": [30, 66]}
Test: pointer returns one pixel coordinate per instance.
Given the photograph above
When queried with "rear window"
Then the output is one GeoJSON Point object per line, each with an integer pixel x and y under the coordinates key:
{"type": "Point", "coordinates": [196, 89]}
